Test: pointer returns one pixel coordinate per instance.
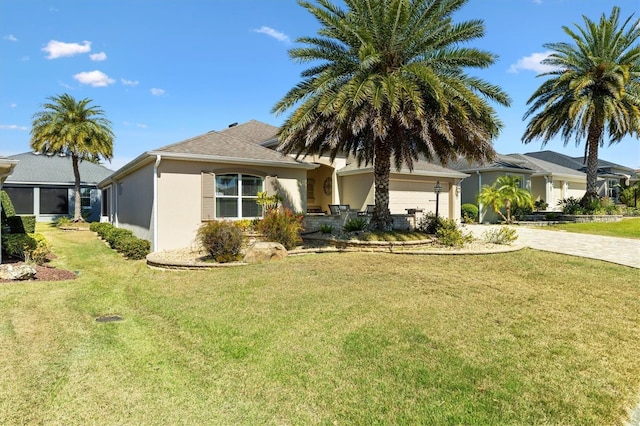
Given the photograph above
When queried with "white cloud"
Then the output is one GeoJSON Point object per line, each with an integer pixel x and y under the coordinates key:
{"type": "Point", "coordinates": [13, 105]}
{"type": "Point", "coordinates": [273, 33]}
{"type": "Point", "coordinates": [126, 82]}
{"type": "Point", "coordinates": [141, 125]}
{"type": "Point", "coordinates": [25, 58]}
{"type": "Point", "coordinates": [12, 127]}
{"type": "Point", "coordinates": [533, 62]}
{"type": "Point", "coordinates": [98, 56]}
{"type": "Point", "coordinates": [94, 78]}
{"type": "Point", "coordinates": [537, 1]}
{"type": "Point", "coordinates": [10, 37]}
{"type": "Point", "coordinates": [59, 49]}
{"type": "Point", "coordinates": [157, 92]}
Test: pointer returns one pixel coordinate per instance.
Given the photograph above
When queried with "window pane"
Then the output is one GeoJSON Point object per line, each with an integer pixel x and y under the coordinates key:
{"type": "Point", "coordinates": [251, 185]}
{"type": "Point", "coordinates": [54, 201]}
{"type": "Point", "coordinates": [105, 202]}
{"type": "Point", "coordinates": [250, 208]}
{"type": "Point", "coordinates": [85, 199]}
{"type": "Point", "coordinates": [22, 199]}
{"type": "Point", "coordinates": [227, 185]}
{"type": "Point", "coordinates": [226, 207]}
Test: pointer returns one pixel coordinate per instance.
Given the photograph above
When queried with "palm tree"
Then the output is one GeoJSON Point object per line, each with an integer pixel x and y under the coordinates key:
{"type": "Point", "coordinates": [387, 83]}
{"type": "Point", "coordinates": [595, 90]}
{"type": "Point", "coordinates": [74, 128]}
{"type": "Point", "coordinates": [505, 192]}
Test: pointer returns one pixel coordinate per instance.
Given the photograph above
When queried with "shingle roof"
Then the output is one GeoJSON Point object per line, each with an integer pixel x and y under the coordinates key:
{"type": "Point", "coordinates": [557, 158]}
{"type": "Point", "coordinates": [240, 142]}
{"type": "Point", "coordinates": [55, 169]}
{"type": "Point", "coordinates": [501, 162]}
{"type": "Point", "coordinates": [544, 167]}
{"type": "Point", "coordinates": [419, 168]}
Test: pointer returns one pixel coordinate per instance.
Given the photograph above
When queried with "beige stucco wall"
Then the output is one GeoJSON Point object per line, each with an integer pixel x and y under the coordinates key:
{"type": "Point", "coordinates": [133, 196]}
{"type": "Point", "coordinates": [180, 196]}
{"type": "Point", "coordinates": [357, 190]}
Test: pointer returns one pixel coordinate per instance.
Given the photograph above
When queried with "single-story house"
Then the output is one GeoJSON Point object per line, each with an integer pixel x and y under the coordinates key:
{"type": "Point", "coordinates": [43, 185]}
{"type": "Point", "coordinates": [6, 168]}
{"type": "Point", "coordinates": [611, 176]}
{"type": "Point", "coordinates": [546, 181]}
{"type": "Point", "coordinates": [164, 195]}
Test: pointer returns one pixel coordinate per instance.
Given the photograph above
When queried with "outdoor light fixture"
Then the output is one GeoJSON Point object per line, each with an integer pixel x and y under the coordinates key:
{"type": "Point", "coordinates": [437, 188]}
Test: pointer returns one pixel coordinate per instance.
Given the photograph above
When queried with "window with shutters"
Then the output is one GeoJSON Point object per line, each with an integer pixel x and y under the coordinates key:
{"type": "Point", "coordinates": [236, 196]}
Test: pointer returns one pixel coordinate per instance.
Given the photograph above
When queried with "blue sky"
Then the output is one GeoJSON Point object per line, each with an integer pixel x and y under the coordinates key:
{"type": "Point", "coordinates": [164, 71]}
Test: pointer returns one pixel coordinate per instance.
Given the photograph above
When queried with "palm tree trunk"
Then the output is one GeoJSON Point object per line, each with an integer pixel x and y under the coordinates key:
{"type": "Point", "coordinates": [593, 142]}
{"type": "Point", "coordinates": [381, 219]}
{"type": "Point", "coordinates": [77, 213]}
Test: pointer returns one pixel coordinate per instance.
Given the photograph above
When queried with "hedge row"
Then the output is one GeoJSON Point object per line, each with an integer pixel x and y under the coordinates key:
{"type": "Point", "coordinates": [122, 240]}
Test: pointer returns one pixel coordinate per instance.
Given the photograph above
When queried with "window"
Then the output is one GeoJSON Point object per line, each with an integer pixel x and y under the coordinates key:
{"type": "Point", "coordinates": [612, 188]}
{"type": "Point", "coordinates": [22, 199]}
{"type": "Point", "coordinates": [236, 196]}
{"type": "Point", "coordinates": [105, 201]}
{"type": "Point", "coordinates": [54, 201]}
{"type": "Point", "coordinates": [85, 198]}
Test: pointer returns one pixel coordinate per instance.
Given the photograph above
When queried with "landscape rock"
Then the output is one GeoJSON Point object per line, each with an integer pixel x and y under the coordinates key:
{"type": "Point", "coordinates": [17, 273]}
{"type": "Point", "coordinates": [261, 251]}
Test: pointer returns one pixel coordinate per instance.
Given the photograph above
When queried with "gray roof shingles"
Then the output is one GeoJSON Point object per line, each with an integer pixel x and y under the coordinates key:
{"type": "Point", "coordinates": [54, 169]}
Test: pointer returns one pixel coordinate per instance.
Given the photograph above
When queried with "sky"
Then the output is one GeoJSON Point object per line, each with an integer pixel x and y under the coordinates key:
{"type": "Point", "coordinates": [167, 70]}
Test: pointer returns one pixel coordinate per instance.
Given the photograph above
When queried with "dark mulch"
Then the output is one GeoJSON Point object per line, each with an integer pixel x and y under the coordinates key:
{"type": "Point", "coordinates": [43, 272]}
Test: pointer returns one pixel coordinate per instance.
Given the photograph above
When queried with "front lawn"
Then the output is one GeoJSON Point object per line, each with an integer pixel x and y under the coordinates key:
{"type": "Point", "coordinates": [626, 228]}
{"type": "Point", "coordinates": [345, 338]}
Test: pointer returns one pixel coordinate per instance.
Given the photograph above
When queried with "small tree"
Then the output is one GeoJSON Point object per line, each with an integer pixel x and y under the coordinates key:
{"type": "Point", "coordinates": [505, 192]}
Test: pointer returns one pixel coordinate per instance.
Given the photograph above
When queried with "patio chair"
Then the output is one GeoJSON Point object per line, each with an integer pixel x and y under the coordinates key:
{"type": "Point", "coordinates": [368, 211]}
{"type": "Point", "coordinates": [336, 209]}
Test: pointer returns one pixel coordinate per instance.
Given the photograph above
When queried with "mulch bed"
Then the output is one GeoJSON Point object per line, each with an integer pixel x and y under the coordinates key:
{"type": "Point", "coordinates": [43, 272]}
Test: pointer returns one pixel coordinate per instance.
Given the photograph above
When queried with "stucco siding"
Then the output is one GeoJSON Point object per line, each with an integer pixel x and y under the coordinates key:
{"type": "Point", "coordinates": [358, 191]}
{"type": "Point", "coordinates": [134, 202]}
{"type": "Point", "coordinates": [180, 196]}
{"type": "Point", "coordinates": [576, 189]}
{"type": "Point", "coordinates": [410, 194]}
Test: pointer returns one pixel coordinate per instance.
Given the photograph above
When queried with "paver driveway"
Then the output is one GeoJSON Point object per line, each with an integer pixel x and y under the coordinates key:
{"type": "Point", "coordinates": [624, 251]}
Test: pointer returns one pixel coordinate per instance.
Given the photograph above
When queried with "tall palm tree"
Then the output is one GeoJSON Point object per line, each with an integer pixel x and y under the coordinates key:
{"type": "Point", "coordinates": [505, 192]}
{"type": "Point", "coordinates": [387, 83]}
{"type": "Point", "coordinates": [595, 90]}
{"type": "Point", "coordinates": [73, 128]}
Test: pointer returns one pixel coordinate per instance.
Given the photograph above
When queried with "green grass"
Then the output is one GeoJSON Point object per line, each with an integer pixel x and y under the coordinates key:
{"type": "Point", "coordinates": [626, 228]}
{"type": "Point", "coordinates": [353, 338]}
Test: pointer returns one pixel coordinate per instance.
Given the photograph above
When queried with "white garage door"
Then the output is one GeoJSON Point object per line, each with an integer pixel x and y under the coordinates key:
{"type": "Point", "coordinates": [405, 195]}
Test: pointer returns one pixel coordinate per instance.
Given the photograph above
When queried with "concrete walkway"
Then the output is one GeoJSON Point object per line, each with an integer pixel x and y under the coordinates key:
{"type": "Point", "coordinates": [623, 251]}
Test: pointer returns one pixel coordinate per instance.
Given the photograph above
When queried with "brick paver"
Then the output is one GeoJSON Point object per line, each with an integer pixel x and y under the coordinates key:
{"type": "Point", "coordinates": [623, 251]}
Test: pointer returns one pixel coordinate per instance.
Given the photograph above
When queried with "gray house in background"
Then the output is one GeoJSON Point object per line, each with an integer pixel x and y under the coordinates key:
{"type": "Point", "coordinates": [42, 185]}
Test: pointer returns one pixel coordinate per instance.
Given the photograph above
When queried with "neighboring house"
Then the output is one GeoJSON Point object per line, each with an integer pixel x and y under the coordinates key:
{"type": "Point", "coordinates": [166, 194]}
{"type": "Point", "coordinates": [546, 181]}
{"type": "Point", "coordinates": [6, 168]}
{"type": "Point", "coordinates": [611, 176]}
{"type": "Point", "coordinates": [43, 186]}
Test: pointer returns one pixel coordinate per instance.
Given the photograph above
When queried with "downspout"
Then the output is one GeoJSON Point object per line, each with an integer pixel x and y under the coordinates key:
{"type": "Point", "coordinates": [155, 202]}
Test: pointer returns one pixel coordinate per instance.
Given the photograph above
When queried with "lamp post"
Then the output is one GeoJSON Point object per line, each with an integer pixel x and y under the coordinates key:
{"type": "Point", "coordinates": [437, 188]}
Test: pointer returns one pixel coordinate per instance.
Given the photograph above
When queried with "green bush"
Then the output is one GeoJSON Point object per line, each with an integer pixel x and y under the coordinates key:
{"type": "Point", "coordinates": [430, 223]}
{"type": "Point", "coordinates": [469, 212]}
{"type": "Point", "coordinates": [28, 223]}
{"type": "Point", "coordinates": [62, 221]}
{"type": "Point", "coordinates": [540, 205]}
{"type": "Point", "coordinates": [449, 234]}
{"type": "Point", "coordinates": [356, 224]}
{"type": "Point", "coordinates": [122, 240]}
{"type": "Point", "coordinates": [134, 248]}
{"type": "Point", "coordinates": [222, 240]}
{"type": "Point", "coordinates": [15, 225]}
{"type": "Point", "coordinates": [28, 247]}
{"type": "Point", "coordinates": [571, 205]}
{"type": "Point", "coordinates": [325, 228]}
{"type": "Point", "coordinates": [501, 235]}
{"type": "Point", "coordinates": [7, 205]}
{"type": "Point", "coordinates": [282, 226]}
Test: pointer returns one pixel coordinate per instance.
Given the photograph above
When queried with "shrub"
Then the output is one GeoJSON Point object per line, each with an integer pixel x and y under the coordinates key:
{"type": "Point", "coordinates": [356, 224]}
{"type": "Point", "coordinates": [15, 225]}
{"type": "Point", "coordinates": [28, 247]}
{"type": "Point", "coordinates": [500, 235]}
{"type": "Point", "coordinates": [134, 248]}
{"type": "Point", "coordinates": [430, 223]}
{"type": "Point", "coordinates": [62, 221]}
{"type": "Point", "coordinates": [469, 212]}
{"type": "Point", "coordinates": [7, 206]}
{"type": "Point", "coordinates": [28, 223]}
{"type": "Point", "coordinates": [222, 240]}
{"type": "Point", "coordinates": [540, 205]}
{"type": "Point", "coordinates": [448, 234]}
{"type": "Point", "coordinates": [571, 205]}
{"type": "Point", "coordinates": [282, 226]}
{"type": "Point", "coordinates": [325, 228]}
